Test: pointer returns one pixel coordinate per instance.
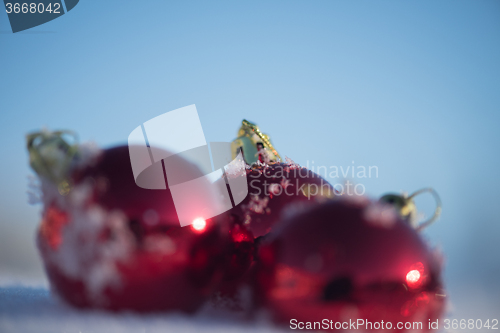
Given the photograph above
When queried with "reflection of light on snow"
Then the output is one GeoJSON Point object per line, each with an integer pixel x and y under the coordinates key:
{"type": "Point", "coordinates": [199, 224]}
{"type": "Point", "coordinates": [412, 277]}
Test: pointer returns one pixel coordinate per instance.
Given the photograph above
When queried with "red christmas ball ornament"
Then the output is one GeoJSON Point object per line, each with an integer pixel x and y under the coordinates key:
{"type": "Point", "coordinates": [350, 260]}
{"type": "Point", "coordinates": [276, 189]}
{"type": "Point", "coordinates": [108, 243]}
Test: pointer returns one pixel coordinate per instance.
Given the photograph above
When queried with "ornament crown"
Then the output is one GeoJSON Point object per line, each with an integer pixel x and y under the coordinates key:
{"type": "Point", "coordinates": [51, 156]}
{"type": "Point", "coordinates": [249, 137]}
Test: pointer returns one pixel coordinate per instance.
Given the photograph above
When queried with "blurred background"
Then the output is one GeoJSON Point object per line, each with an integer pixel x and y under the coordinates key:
{"type": "Point", "coordinates": [412, 87]}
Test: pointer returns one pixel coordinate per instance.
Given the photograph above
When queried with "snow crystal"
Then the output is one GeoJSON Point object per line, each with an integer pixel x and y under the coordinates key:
{"type": "Point", "coordinates": [237, 167]}
{"type": "Point", "coordinates": [257, 204]}
{"type": "Point", "coordinates": [380, 215]}
{"type": "Point", "coordinates": [274, 188]}
{"type": "Point", "coordinates": [291, 163]}
{"type": "Point", "coordinates": [260, 164]}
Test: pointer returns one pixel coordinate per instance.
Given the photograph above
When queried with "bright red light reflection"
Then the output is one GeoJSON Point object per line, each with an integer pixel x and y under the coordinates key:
{"type": "Point", "coordinates": [199, 224]}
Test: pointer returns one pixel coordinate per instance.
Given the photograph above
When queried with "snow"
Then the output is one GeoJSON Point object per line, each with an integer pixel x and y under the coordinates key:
{"type": "Point", "coordinates": [33, 309]}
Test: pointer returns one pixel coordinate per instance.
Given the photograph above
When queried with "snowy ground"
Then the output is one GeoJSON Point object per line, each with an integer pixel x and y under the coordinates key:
{"type": "Point", "coordinates": [33, 309]}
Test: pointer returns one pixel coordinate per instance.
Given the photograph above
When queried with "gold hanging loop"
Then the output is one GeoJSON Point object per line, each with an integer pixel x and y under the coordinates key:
{"type": "Point", "coordinates": [407, 210]}
{"type": "Point", "coordinates": [437, 211]}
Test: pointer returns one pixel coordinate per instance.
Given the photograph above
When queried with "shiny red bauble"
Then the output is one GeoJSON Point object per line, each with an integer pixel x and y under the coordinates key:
{"type": "Point", "coordinates": [349, 260]}
{"type": "Point", "coordinates": [277, 189]}
{"type": "Point", "coordinates": [111, 244]}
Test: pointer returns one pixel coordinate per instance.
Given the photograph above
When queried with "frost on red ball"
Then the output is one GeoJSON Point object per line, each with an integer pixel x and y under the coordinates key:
{"type": "Point", "coordinates": [111, 244]}
{"type": "Point", "coordinates": [346, 260]}
{"type": "Point", "coordinates": [277, 189]}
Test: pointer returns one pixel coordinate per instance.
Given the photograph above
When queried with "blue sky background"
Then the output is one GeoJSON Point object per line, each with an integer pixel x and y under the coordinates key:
{"type": "Point", "coordinates": [412, 87]}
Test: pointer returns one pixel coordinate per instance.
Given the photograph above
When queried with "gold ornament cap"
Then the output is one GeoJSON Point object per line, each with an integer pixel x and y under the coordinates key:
{"type": "Point", "coordinates": [51, 154]}
{"type": "Point", "coordinates": [255, 145]}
